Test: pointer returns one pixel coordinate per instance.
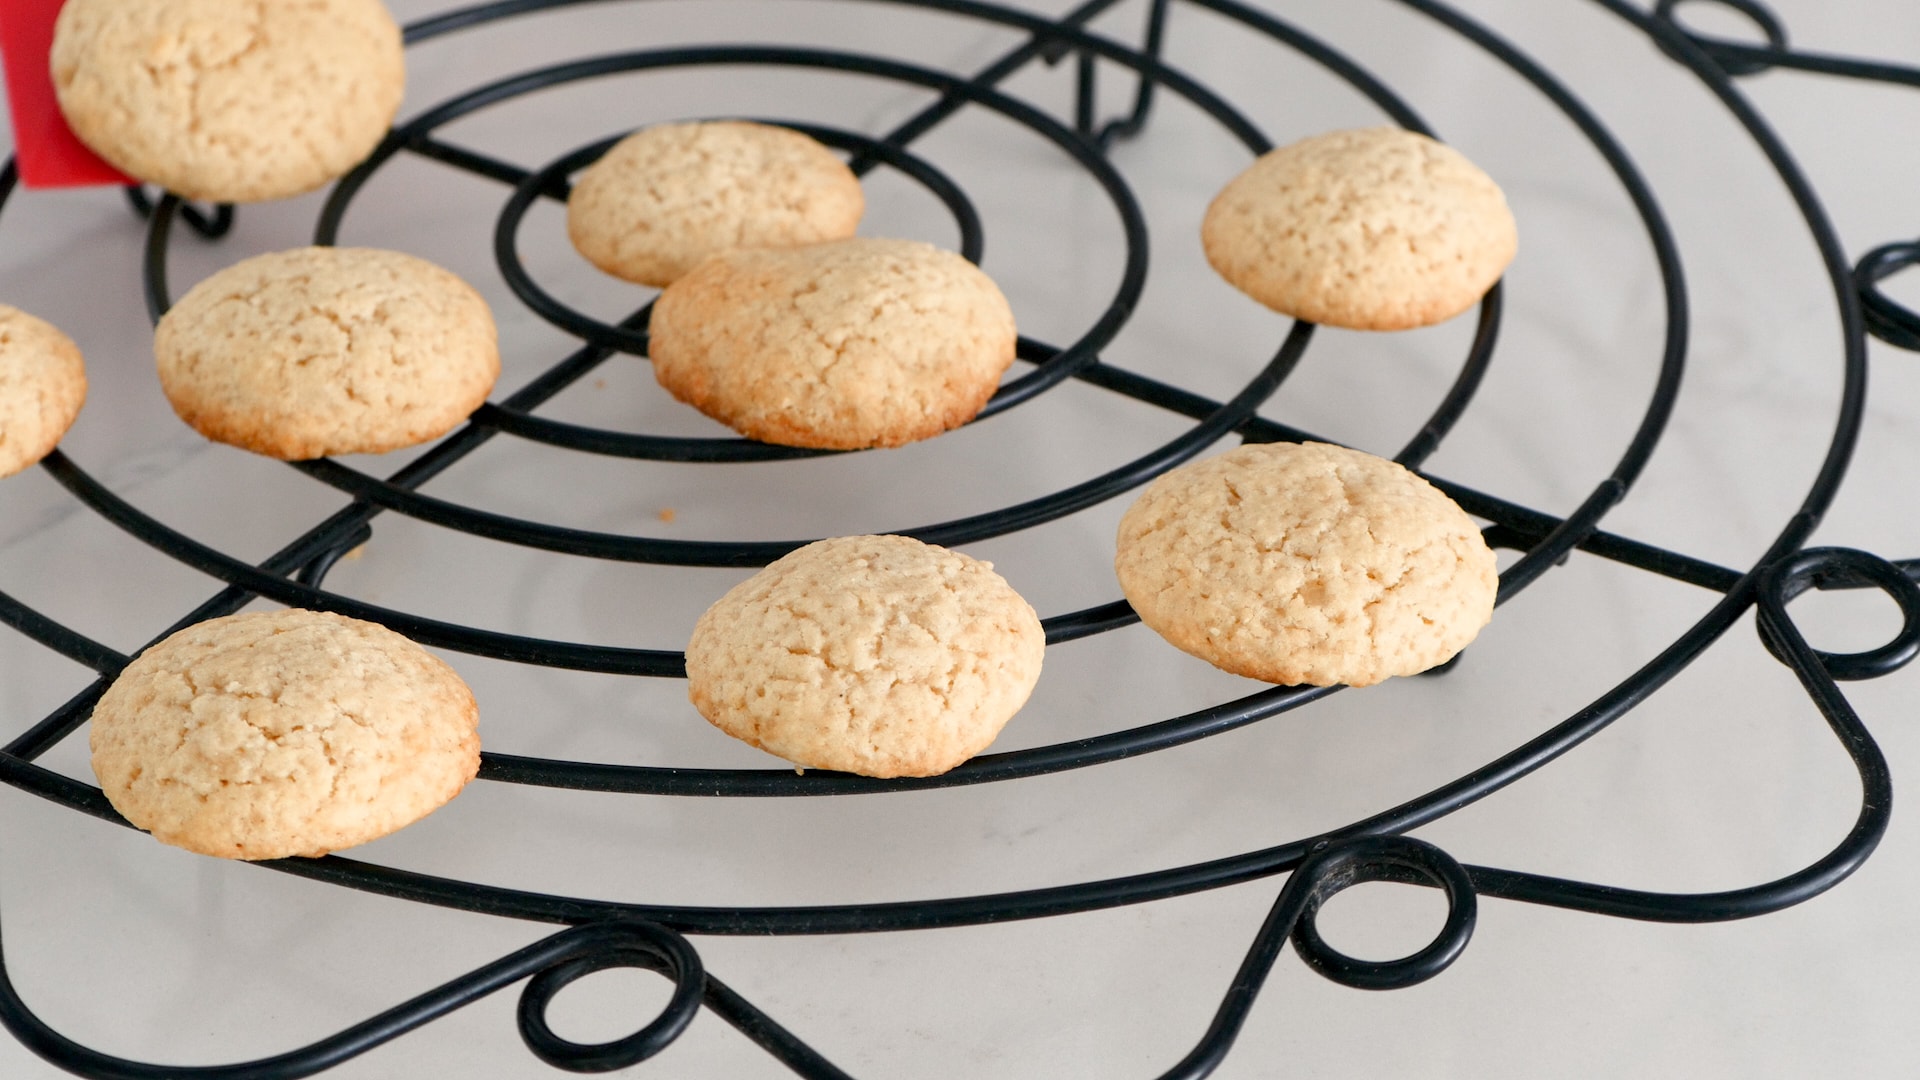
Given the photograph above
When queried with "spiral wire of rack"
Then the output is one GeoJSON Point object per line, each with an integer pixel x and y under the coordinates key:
{"type": "Point", "coordinates": [602, 934]}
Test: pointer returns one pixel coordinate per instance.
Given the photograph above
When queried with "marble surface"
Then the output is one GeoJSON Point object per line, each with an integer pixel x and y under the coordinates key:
{"type": "Point", "coordinates": [1726, 777]}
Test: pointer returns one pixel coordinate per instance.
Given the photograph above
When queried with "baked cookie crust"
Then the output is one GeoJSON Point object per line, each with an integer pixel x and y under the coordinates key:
{"type": "Point", "coordinates": [665, 198]}
{"type": "Point", "coordinates": [877, 655]}
{"type": "Point", "coordinates": [841, 345]}
{"type": "Point", "coordinates": [229, 100]}
{"type": "Point", "coordinates": [43, 383]}
{"type": "Point", "coordinates": [269, 734]}
{"type": "Point", "coordinates": [1375, 229]}
{"type": "Point", "coordinates": [320, 351]}
{"type": "Point", "coordinates": [1307, 564]}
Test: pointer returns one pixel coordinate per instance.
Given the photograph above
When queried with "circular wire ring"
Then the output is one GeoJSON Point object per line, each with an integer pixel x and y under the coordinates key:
{"type": "Point", "coordinates": [637, 945]}
{"type": "Point", "coordinates": [1347, 863]}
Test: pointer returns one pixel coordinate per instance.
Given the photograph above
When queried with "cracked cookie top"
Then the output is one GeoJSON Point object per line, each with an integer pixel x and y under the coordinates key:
{"type": "Point", "coordinates": [1306, 563]}
{"type": "Point", "coordinates": [229, 100]}
{"type": "Point", "coordinates": [1375, 229]}
{"type": "Point", "coordinates": [877, 655]}
{"type": "Point", "coordinates": [666, 197]}
{"type": "Point", "coordinates": [318, 351]}
{"type": "Point", "coordinates": [269, 734]}
{"type": "Point", "coordinates": [43, 383]}
{"type": "Point", "coordinates": [840, 345]}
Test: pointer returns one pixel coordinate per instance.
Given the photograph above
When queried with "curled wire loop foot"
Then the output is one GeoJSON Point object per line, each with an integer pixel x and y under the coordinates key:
{"type": "Point", "coordinates": [1330, 867]}
{"type": "Point", "coordinates": [1840, 568]}
{"type": "Point", "coordinates": [553, 962]}
{"type": "Point", "coordinates": [1885, 318]}
{"type": "Point", "coordinates": [1734, 58]}
{"type": "Point", "coordinates": [627, 944]}
{"type": "Point", "coordinates": [1342, 865]}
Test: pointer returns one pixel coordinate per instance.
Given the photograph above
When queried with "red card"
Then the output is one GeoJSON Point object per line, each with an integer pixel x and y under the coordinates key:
{"type": "Point", "coordinates": [48, 153]}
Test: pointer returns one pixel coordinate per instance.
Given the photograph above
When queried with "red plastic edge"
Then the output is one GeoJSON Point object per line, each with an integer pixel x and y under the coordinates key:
{"type": "Point", "coordinates": [48, 153]}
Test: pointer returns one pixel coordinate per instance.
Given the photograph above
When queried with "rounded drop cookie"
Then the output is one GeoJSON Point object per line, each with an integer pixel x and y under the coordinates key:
{"type": "Point", "coordinates": [1306, 563]}
{"type": "Point", "coordinates": [840, 345]}
{"type": "Point", "coordinates": [320, 351]}
{"type": "Point", "coordinates": [229, 100]}
{"type": "Point", "coordinates": [1375, 229]}
{"type": "Point", "coordinates": [877, 655]}
{"type": "Point", "coordinates": [268, 734]}
{"type": "Point", "coordinates": [666, 197]}
{"type": "Point", "coordinates": [43, 383]}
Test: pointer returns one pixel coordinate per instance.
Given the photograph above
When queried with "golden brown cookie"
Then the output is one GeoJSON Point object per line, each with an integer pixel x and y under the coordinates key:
{"type": "Point", "coordinates": [1306, 564]}
{"type": "Point", "coordinates": [877, 655]}
{"type": "Point", "coordinates": [42, 386]}
{"type": "Point", "coordinates": [277, 733]}
{"type": "Point", "coordinates": [841, 345]}
{"type": "Point", "coordinates": [1375, 229]}
{"type": "Point", "coordinates": [666, 197]}
{"type": "Point", "coordinates": [229, 100]}
{"type": "Point", "coordinates": [318, 351]}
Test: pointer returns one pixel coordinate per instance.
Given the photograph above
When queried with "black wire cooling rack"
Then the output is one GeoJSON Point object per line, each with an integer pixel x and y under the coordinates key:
{"type": "Point", "coordinates": [603, 935]}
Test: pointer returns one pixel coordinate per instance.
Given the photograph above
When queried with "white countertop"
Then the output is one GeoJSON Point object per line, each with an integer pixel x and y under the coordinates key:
{"type": "Point", "coordinates": [1725, 778]}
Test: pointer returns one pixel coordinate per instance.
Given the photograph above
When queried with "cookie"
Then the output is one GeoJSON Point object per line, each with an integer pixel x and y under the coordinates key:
{"type": "Point", "coordinates": [229, 100]}
{"type": "Point", "coordinates": [1306, 564]}
{"type": "Point", "coordinates": [318, 351]}
{"type": "Point", "coordinates": [840, 345]}
{"type": "Point", "coordinates": [1376, 229]}
{"type": "Point", "coordinates": [277, 733]}
{"type": "Point", "coordinates": [42, 386]}
{"type": "Point", "coordinates": [877, 655]}
{"type": "Point", "coordinates": [665, 198]}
